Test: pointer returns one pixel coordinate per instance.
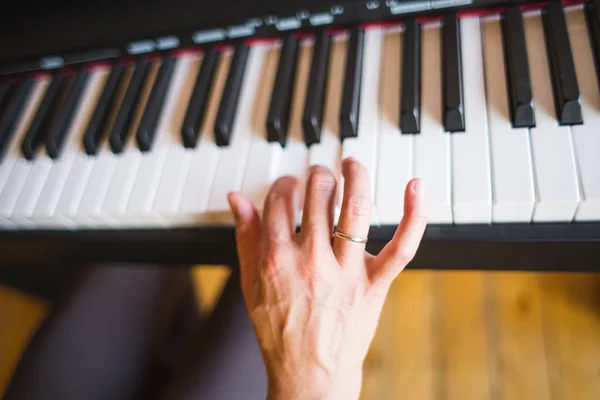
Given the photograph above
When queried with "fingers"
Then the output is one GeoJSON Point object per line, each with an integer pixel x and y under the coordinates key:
{"type": "Point", "coordinates": [355, 217]}
{"type": "Point", "coordinates": [279, 222]}
{"type": "Point", "coordinates": [248, 237]}
{"type": "Point", "coordinates": [403, 247]}
{"type": "Point", "coordinates": [319, 205]}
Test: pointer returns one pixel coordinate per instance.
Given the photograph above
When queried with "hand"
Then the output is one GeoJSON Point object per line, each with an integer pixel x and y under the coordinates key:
{"type": "Point", "coordinates": [315, 301]}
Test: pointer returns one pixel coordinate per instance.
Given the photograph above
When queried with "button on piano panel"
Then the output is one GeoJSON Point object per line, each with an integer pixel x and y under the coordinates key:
{"type": "Point", "coordinates": [432, 145]}
{"type": "Point", "coordinates": [228, 110]}
{"type": "Point", "coordinates": [560, 60]}
{"type": "Point", "coordinates": [555, 171]}
{"type": "Point", "coordinates": [452, 75]}
{"type": "Point", "coordinates": [312, 119]}
{"type": "Point", "coordinates": [395, 156]}
{"type": "Point", "coordinates": [364, 147]}
{"type": "Point", "coordinates": [350, 110]}
{"type": "Point", "coordinates": [512, 170]}
{"type": "Point", "coordinates": [44, 213]}
{"type": "Point", "coordinates": [471, 181]}
{"type": "Point", "coordinates": [107, 103]}
{"type": "Point", "coordinates": [410, 103]}
{"type": "Point", "coordinates": [12, 112]}
{"type": "Point", "coordinates": [586, 137]}
{"type": "Point", "coordinates": [177, 163]}
{"type": "Point", "coordinates": [14, 168]}
{"type": "Point", "coordinates": [82, 165]}
{"type": "Point", "coordinates": [517, 69]}
{"type": "Point", "coordinates": [198, 104]}
{"type": "Point", "coordinates": [281, 102]}
{"type": "Point", "coordinates": [232, 158]}
{"type": "Point", "coordinates": [294, 156]}
{"type": "Point", "coordinates": [205, 158]}
{"type": "Point", "coordinates": [264, 156]}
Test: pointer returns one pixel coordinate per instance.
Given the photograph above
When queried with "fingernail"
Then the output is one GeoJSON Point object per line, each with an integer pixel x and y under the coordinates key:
{"type": "Point", "coordinates": [349, 159]}
{"type": "Point", "coordinates": [418, 187]}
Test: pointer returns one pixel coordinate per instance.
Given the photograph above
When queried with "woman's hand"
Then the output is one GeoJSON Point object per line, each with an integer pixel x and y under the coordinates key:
{"type": "Point", "coordinates": [315, 301]}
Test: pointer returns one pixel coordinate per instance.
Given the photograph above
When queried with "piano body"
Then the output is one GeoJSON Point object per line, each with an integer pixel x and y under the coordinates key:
{"type": "Point", "coordinates": [123, 125]}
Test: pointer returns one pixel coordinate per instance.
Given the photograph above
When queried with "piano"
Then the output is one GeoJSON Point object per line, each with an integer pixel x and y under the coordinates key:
{"type": "Point", "coordinates": [123, 125]}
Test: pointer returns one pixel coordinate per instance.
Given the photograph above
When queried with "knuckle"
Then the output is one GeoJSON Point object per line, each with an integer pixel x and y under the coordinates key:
{"type": "Point", "coordinates": [358, 206]}
{"type": "Point", "coordinates": [404, 255]}
{"type": "Point", "coordinates": [322, 181]}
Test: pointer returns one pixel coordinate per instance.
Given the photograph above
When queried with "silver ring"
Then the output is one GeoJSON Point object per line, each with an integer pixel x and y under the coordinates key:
{"type": "Point", "coordinates": [351, 238]}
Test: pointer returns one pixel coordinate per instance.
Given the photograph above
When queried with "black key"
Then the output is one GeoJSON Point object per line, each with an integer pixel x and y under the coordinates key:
{"type": "Point", "coordinates": [562, 69]}
{"type": "Point", "coordinates": [6, 92]}
{"type": "Point", "coordinates": [48, 108]}
{"type": "Point", "coordinates": [410, 100]}
{"type": "Point", "coordinates": [349, 115]}
{"type": "Point", "coordinates": [64, 118]}
{"type": "Point", "coordinates": [518, 81]}
{"type": "Point", "coordinates": [147, 128]}
{"type": "Point", "coordinates": [122, 124]}
{"type": "Point", "coordinates": [452, 80]}
{"type": "Point", "coordinates": [98, 124]}
{"type": "Point", "coordinates": [196, 112]}
{"type": "Point", "coordinates": [231, 94]}
{"type": "Point", "coordinates": [314, 108]}
{"type": "Point", "coordinates": [283, 89]}
{"type": "Point", "coordinates": [592, 12]}
{"type": "Point", "coordinates": [13, 112]}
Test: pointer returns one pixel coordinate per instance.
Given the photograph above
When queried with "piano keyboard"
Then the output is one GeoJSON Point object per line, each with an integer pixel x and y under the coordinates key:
{"type": "Point", "coordinates": [499, 115]}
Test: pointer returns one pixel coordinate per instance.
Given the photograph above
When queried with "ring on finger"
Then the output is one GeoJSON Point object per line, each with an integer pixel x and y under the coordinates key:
{"type": "Point", "coordinates": [345, 236]}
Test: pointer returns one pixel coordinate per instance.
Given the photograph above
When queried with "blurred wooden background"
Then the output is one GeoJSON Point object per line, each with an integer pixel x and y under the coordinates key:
{"type": "Point", "coordinates": [442, 335]}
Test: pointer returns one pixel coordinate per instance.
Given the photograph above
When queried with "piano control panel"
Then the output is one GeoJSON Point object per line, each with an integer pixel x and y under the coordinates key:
{"type": "Point", "coordinates": [334, 15]}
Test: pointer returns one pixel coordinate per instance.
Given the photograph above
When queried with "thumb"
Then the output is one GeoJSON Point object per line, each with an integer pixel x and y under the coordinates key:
{"type": "Point", "coordinates": [248, 234]}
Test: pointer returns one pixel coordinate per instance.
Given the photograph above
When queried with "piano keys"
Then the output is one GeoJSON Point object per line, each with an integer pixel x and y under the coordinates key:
{"type": "Point", "coordinates": [474, 105]}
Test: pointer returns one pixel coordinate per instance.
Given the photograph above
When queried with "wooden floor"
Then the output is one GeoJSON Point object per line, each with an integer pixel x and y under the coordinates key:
{"type": "Point", "coordinates": [442, 335]}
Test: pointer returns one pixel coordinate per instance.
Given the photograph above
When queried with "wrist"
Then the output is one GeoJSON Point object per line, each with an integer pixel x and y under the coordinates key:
{"type": "Point", "coordinates": [346, 387]}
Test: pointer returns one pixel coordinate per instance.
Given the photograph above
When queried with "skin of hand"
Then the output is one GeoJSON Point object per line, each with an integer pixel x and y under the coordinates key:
{"type": "Point", "coordinates": [314, 299]}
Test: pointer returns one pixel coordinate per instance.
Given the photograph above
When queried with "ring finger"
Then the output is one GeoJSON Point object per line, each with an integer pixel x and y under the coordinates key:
{"type": "Point", "coordinates": [355, 216]}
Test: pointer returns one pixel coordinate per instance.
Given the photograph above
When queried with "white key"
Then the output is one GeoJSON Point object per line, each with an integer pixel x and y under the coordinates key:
{"type": "Point", "coordinates": [512, 171]}
{"type": "Point", "coordinates": [471, 181]}
{"type": "Point", "coordinates": [177, 164]}
{"type": "Point", "coordinates": [83, 164]}
{"type": "Point", "coordinates": [364, 147]}
{"type": "Point", "coordinates": [586, 137]}
{"type": "Point", "coordinates": [232, 160]}
{"type": "Point", "coordinates": [14, 168]}
{"type": "Point", "coordinates": [57, 183]}
{"type": "Point", "coordinates": [552, 146]}
{"type": "Point", "coordinates": [143, 193]}
{"type": "Point", "coordinates": [264, 156]}
{"type": "Point", "coordinates": [128, 164]}
{"type": "Point", "coordinates": [89, 212]}
{"type": "Point", "coordinates": [395, 159]}
{"type": "Point", "coordinates": [294, 157]}
{"type": "Point", "coordinates": [328, 151]}
{"type": "Point", "coordinates": [205, 156]}
{"type": "Point", "coordinates": [432, 146]}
